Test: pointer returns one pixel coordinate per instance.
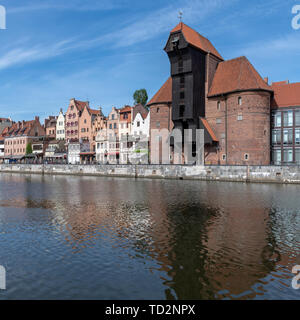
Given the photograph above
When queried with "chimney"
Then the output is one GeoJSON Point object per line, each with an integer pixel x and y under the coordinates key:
{"type": "Point", "coordinates": [266, 80]}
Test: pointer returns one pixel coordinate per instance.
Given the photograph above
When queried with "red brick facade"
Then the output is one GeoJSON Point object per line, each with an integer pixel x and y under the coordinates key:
{"type": "Point", "coordinates": [237, 108]}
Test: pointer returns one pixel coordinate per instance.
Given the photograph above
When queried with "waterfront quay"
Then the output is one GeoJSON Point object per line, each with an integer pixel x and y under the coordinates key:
{"type": "Point", "coordinates": [260, 174]}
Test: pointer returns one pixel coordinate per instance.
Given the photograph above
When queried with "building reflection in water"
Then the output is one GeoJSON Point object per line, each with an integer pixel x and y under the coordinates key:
{"type": "Point", "coordinates": [208, 240]}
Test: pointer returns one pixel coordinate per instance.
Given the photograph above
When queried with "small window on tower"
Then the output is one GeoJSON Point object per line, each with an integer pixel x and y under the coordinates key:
{"type": "Point", "coordinates": [181, 111]}
{"type": "Point", "coordinates": [219, 105]}
{"type": "Point", "coordinates": [240, 101]}
{"type": "Point", "coordinates": [157, 110]}
{"type": "Point", "coordinates": [223, 157]}
{"type": "Point", "coordinates": [246, 156]}
{"type": "Point", "coordinates": [180, 64]}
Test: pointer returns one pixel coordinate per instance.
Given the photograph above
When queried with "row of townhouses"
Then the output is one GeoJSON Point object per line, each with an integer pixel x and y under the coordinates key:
{"type": "Point", "coordinates": [245, 119]}
{"type": "Point", "coordinates": [81, 135]}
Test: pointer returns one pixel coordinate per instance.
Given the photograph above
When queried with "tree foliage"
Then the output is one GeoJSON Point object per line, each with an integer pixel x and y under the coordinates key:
{"type": "Point", "coordinates": [29, 148]}
{"type": "Point", "coordinates": [140, 97]}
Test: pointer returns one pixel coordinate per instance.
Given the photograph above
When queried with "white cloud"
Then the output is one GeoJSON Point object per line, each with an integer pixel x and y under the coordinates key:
{"type": "Point", "coordinates": [273, 48]}
{"type": "Point", "coordinates": [140, 30]}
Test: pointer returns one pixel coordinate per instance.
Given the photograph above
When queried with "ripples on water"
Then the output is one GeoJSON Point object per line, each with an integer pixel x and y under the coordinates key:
{"type": "Point", "coordinates": [108, 238]}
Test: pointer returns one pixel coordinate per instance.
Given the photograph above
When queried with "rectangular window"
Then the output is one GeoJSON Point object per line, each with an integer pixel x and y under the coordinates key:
{"type": "Point", "coordinates": [180, 65]}
{"type": "Point", "coordinates": [240, 117]}
{"type": "Point", "coordinates": [297, 118]}
{"type": "Point", "coordinates": [181, 95]}
{"type": "Point", "coordinates": [297, 156]}
{"type": "Point", "coordinates": [288, 118]}
{"type": "Point", "coordinates": [182, 82]}
{"type": "Point", "coordinates": [277, 119]}
{"type": "Point", "coordinates": [277, 157]}
{"type": "Point", "coordinates": [297, 136]}
{"type": "Point", "coordinates": [218, 121]}
{"type": "Point", "coordinates": [276, 136]}
{"type": "Point", "coordinates": [288, 155]}
{"type": "Point", "coordinates": [181, 111]}
{"type": "Point", "coordinates": [287, 136]}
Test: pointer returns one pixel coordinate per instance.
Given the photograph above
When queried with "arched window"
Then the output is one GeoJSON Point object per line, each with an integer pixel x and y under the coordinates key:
{"type": "Point", "coordinates": [240, 101]}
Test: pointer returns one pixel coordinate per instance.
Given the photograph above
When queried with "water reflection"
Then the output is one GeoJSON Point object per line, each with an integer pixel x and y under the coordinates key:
{"type": "Point", "coordinates": [123, 238]}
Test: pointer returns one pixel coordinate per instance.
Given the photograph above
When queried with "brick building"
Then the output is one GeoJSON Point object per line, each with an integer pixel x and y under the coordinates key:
{"type": "Point", "coordinates": [285, 123]}
{"type": "Point", "coordinates": [50, 127]}
{"type": "Point", "coordinates": [19, 135]}
{"type": "Point", "coordinates": [230, 101]}
{"type": "Point", "coordinates": [73, 114]}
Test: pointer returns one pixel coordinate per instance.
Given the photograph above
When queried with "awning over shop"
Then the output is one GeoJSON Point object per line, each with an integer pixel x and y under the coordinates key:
{"type": "Point", "coordinates": [87, 153]}
{"type": "Point", "coordinates": [13, 157]}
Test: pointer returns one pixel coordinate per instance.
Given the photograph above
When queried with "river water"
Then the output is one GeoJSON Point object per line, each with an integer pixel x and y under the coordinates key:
{"type": "Point", "coordinates": [65, 237]}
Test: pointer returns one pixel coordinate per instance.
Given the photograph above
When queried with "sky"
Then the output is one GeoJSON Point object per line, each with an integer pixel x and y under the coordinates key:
{"type": "Point", "coordinates": [102, 51]}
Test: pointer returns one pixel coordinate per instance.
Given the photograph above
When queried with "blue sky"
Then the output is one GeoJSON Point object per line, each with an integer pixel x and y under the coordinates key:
{"type": "Point", "coordinates": [102, 51]}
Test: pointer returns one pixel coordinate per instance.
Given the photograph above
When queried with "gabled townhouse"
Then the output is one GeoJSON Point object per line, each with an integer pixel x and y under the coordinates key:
{"type": "Point", "coordinates": [124, 133]}
{"type": "Point", "coordinates": [73, 115]}
{"type": "Point", "coordinates": [140, 135]}
{"type": "Point", "coordinates": [60, 126]}
{"type": "Point", "coordinates": [98, 124]}
{"type": "Point", "coordinates": [113, 121]}
{"type": "Point", "coordinates": [88, 116]}
{"type": "Point", "coordinates": [5, 123]}
{"type": "Point", "coordinates": [50, 127]}
{"type": "Point", "coordinates": [1, 149]}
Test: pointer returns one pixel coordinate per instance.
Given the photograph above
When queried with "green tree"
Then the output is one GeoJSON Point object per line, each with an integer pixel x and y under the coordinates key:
{"type": "Point", "coordinates": [140, 96]}
{"type": "Point", "coordinates": [29, 148]}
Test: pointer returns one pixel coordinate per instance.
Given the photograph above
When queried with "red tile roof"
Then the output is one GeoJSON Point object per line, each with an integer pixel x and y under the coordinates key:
{"type": "Point", "coordinates": [95, 112]}
{"type": "Point", "coordinates": [209, 129]}
{"type": "Point", "coordinates": [195, 39]}
{"type": "Point", "coordinates": [286, 94]}
{"type": "Point", "coordinates": [164, 94]}
{"type": "Point", "coordinates": [19, 129]}
{"type": "Point", "coordinates": [81, 104]}
{"type": "Point", "coordinates": [125, 109]}
{"type": "Point", "coordinates": [236, 75]}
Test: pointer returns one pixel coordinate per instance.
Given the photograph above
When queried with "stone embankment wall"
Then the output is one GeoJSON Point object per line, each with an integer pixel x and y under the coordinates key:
{"type": "Point", "coordinates": [275, 174]}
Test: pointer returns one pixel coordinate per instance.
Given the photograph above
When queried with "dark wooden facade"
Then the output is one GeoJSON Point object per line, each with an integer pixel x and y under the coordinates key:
{"type": "Point", "coordinates": [188, 82]}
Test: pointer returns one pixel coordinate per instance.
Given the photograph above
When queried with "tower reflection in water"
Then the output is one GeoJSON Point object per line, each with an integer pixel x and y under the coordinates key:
{"type": "Point", "coordinates": [204, 240]}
